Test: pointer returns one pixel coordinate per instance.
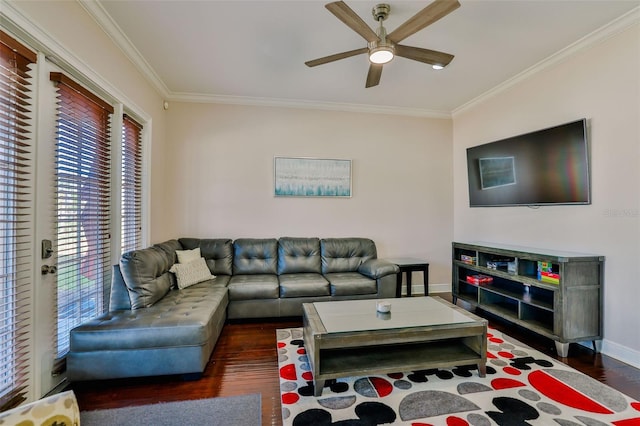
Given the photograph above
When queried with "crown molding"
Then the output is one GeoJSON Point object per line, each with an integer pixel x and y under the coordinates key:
{"type": "Point", "coordinates": [293, 103]}
{"type": "Point", "coordinates": [601, 34]}
{"type": "Point", "coordinates": [115, 33]}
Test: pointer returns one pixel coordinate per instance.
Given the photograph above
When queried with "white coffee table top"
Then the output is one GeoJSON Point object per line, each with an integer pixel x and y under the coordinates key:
{"type": "Point", "coordinates": [361, 315]}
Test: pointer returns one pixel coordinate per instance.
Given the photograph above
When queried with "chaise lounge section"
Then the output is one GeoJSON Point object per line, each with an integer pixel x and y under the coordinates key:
{"type": "Point", "coordinates": [156, 326]}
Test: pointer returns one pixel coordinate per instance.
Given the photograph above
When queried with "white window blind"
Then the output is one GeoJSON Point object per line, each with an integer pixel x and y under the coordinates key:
{"type": "Point", "coordinates": [82, 205]}
{"type": "Point", "coordinates": [131, 195]}
{"type": "Point", "coordinates": [16, 259]}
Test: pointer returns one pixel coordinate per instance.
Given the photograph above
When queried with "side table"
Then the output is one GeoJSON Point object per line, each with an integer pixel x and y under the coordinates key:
{"type": "Point", "coordinates": [408, 265]}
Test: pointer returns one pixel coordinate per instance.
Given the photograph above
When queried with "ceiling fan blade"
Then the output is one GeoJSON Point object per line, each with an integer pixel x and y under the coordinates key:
{"type": "Point", "coordinates": [373, 77]}
{"type": "Point", "coordinates": [427, 16]}
{"type": "Point", "coordinates": [335, 57]}
{"type": "Point", "coordinates": [352, 20]}
{"type": "Point", "coordinates": [427, 56]}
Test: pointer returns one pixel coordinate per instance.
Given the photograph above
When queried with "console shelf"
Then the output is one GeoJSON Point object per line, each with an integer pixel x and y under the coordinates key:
{"type": "Point", "coordinates": [565, 307]}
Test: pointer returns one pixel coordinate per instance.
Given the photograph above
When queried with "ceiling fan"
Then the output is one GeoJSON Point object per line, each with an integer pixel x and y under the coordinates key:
{"type": "Point", "coordinates": [382, 47]}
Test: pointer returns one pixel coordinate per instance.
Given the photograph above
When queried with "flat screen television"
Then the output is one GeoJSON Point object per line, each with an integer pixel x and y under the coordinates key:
{"type": "Point", "coordinates": [545, 167]}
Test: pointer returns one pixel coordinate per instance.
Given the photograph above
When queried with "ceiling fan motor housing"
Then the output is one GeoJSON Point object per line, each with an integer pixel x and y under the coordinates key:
{"type": "Point", "coordinates": [381, 11]}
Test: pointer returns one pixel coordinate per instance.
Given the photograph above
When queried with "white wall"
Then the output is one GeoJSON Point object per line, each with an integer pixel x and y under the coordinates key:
{"type": "Point", "coordinates": [601, 84]}
{"type": "Point", "coordinates": [221, 177]}
{"type": "Point", "coordinates": [87, 45]}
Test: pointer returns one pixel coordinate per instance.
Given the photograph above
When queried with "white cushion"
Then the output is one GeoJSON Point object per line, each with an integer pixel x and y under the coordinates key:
{"type": "Point", "coordinates": [60, 409]}
{"type": "Point", "coordinates": [186, 256]}
{"type": "Point", "coordinates": [191, 273]}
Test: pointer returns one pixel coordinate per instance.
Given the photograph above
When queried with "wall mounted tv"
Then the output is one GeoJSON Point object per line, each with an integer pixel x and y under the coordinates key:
{"type": "Point", "coordinates": [545, 167]}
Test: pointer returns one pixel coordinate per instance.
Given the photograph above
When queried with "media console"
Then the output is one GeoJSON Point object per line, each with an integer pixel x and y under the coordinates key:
{"type": "Point", "coordinates": [554, 293]}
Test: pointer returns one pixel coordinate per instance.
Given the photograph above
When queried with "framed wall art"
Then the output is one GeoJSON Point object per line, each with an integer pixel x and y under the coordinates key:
{"type": "Point", "coordinates": [311, 177]}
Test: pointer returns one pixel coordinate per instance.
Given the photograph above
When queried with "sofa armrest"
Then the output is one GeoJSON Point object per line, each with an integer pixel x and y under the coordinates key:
{"type": "Point", "coordinates": [378, 268]}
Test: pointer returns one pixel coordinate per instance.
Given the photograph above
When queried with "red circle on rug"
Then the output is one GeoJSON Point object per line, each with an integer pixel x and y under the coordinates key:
{"type": "Point", "coordinates": [456, 421]}
{"type": "Point", "coordinates": [490, 355]}
{"type": "Point", "coordinates": [290, 398]}
{"type": "Point", "coordinates": [560, 392]}
{"type": "Point", "coordinates": [627, 422]}
{"type": "Point", "coordinates": [512, 371]}
{"type": "Point", "coordinates": [395, 376]}
{"type": "Point", "coordinates": [496, 340]}
{"type": "Point", "coordinates": [307, 375]}
{"type": "Point", "coordinates": [281, 344]}
{"type": "Point", "coordinates": [636, 405]}
{"type": "Point", "coordinates": [506, 384]}
{"type": "Point", "coordinates": [504, 354]}
{"type": "Point", "coordinates": [301, 351]}
{"type": "Point", "coordinates": [288, 372]}
{"type": "Point", "coordinates": [382, 387]}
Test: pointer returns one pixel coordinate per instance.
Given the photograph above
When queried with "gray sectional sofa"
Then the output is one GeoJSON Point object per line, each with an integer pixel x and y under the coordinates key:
{"type": "Point", "coordinates": [154, 327]}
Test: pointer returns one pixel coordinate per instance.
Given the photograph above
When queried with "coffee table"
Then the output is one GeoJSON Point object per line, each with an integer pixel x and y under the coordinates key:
{"type": "Point", "coordinates": [350, 338]}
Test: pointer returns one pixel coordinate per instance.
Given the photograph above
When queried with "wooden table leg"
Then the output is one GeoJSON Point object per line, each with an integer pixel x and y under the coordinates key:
{"type": "Point", "coordinates": [425, 276]}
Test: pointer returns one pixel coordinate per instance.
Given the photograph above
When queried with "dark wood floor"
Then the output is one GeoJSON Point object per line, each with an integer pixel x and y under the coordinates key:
{"type": "Point", "coordinates": [245, 361]}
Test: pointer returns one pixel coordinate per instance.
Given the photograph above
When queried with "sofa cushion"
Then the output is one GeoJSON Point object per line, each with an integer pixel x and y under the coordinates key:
{"type": "Point", "coordinates": [186, 256]}
{"type": "Point", "coordinates": [194, 272]}
{"type": "Point", "coordinates": [255, 256]}
{"type": "Point", "coordinates": [378, 268]}
{"type": "Point", "coordinates": [146, 274]}
{"type": "Point", "coordinates": [181, 318]}
{"type": "Point", "coordinates": [119, 295]}
{"type": "Point", "coordinates": [218, 252]}
{"type": "Point", "coordinates": [350, 284]}
{"type": "Point", "coordinates": [345, 254]}
{"type": "Point", "coordinates": [303, 285]}
{"type": "Point", "coordinates": [257, 286]}
{"type": "Point", "coordinates": [296, 255]}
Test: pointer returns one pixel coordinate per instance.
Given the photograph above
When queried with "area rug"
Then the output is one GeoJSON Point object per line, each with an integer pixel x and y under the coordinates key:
{"type": "Point", "coordinates": [244, 410]}
{"type": "Point", "coordinates": [522, 387]}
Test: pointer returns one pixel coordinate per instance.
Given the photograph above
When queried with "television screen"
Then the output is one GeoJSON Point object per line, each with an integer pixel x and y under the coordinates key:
{"type": "Point", "coordinates": [549, 166]}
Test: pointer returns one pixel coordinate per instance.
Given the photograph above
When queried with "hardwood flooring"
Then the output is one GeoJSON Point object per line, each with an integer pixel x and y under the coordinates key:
{"type": "Point", "coordinates": [245, 361]}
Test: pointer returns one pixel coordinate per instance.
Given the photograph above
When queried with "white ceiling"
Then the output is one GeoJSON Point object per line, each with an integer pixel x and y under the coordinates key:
{"type": "Point", "coordinates": [254, 51]}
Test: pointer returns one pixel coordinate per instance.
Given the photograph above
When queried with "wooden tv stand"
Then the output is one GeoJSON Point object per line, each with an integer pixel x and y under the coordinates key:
{"type": "Point", "coordinates": [567, 310]}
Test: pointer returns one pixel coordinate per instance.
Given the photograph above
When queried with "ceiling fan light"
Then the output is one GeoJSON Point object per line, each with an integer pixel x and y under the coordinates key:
{"type": "Point", "coordinates": [381, 55]}
{"type": "Point", "coordinates": [437, 66]}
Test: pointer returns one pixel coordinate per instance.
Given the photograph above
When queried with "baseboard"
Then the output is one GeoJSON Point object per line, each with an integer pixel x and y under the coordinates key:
{"type": "Point", "coordinates": [621, 353]}
{"type": "Point", "coordinates": [418, 288]}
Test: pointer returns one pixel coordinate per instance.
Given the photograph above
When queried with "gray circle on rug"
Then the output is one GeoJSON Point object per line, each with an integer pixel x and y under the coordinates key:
{"type": "Point", "coordinates": [472, 387]}
{"type": "Point", "coordinates": [595, 390]}
{"type": "Point", "coordinates": [518, 352]}
{"type": "Point", "coordinates": [282, 358]}
{"type": "Point", "coordinates": [296, 333]}
{"type": "Point", "coordinates": [498, 362]}
{"type": "Point", "coordinates": [288, 386]}
{"type": "Point", "coordinates": [282, 334]}
{"type": "Point", "coordinates": [545, 407]}
{"type": "Point", "coordinates": [402, 384]}
{"type": "Point", "coordinates": [590, 422]}
{"type": "Point", "coordinates": [285, 413]}
{"type": "Point", "coordinates": [507, 346]}
{"type": "Point", "coordinates": [338, 402]}
{"type": "Point", "coordinates": [478, 420]}
{"type": "Point", "coordinates": [529, 394]}
{"type": "Point", "coordinates": [563, 422]}
{"type": "Point", "coordinates": [494, 347]}
{"type": "Point", "coordinates": [419, 405]}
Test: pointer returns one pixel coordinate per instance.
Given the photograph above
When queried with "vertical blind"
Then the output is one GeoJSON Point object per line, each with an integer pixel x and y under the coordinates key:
{"type": "Point", "coordinates": [16, 193]}
{"type": "Point", "coordinates": [82, 206]}
{"type": "Point", "coordinates": [131, 195]}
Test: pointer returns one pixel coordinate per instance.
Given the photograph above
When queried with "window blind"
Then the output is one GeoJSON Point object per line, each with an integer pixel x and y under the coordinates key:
{"type": "Point", "coordinates": [131, 195]}
{"type": "Point", "coordinates": [82, 205]}
{"type": "Point", "coordinates": [16, 193]}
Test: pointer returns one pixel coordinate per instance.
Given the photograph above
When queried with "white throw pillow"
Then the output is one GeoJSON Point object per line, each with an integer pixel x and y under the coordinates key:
{"type": "Point", "coordinates": [186, 256]}
{"type": "Point", "coordinates": [191, 273]}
